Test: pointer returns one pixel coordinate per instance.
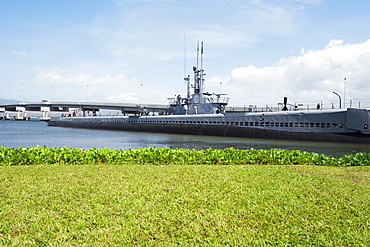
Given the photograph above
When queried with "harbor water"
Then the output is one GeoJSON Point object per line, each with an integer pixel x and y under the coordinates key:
{"type": "Point", "coordinates": [33, 133]}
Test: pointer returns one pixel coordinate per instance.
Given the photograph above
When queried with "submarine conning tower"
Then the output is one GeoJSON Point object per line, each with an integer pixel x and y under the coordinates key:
{"type": "Point", "coordinates": [200, 102]}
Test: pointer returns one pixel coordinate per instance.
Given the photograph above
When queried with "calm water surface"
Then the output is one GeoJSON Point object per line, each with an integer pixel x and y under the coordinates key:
{"type": "Point", "coordinates": [33, 133]}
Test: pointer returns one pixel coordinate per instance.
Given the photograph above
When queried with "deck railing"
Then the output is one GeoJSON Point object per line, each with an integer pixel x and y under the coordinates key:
{"type": "Point", "coordinates": [352, 103]}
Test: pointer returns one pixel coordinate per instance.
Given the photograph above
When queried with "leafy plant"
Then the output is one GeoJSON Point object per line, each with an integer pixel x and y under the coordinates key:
{"type": "Point", "coordinates": [165, 156]}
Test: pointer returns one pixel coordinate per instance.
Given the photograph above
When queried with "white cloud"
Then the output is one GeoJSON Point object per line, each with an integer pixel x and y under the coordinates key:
{"type": "Point", "coordinates": [308, 77]}
{"type": "Point", "coordinates": [333, 43]}
{"type": "Point", "coordinates": [20, 53]}
{"type": "Point", "coordinates": [58, 75]}
{"type": "Point", "coordinates": [126, 33]}
{"type": "Point", "coordinates": [251, 22]}
{"type": "Point", "coordinates": [67, 84]}
{"type": "Point", "coordinates": [58, 84]}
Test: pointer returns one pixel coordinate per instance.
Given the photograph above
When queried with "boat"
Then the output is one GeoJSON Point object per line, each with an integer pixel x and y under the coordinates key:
{"type": "Point", "coordinates": [204, 113]}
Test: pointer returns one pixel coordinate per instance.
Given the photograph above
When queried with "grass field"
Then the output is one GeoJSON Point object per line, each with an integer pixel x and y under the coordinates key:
{"type": "Point", "coordinates": [147, 205]}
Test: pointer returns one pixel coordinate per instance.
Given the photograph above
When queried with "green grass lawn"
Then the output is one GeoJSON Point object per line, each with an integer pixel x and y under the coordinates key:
{"type": "Point", "coordinates": [187, 205]}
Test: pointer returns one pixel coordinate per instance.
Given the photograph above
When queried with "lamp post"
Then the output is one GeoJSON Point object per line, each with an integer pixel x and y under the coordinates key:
{"type": "Point", "coordinates": [344, 93]}
{"type": "Point", "coordinates": [87, 93]}
{"type": "Point", "coordinates": [24, 98]}
{"type": "Point", "coordinates": [340, 100]}
{"type": "Point", "coordinates": [141, 93]}
{"type": "Point", "coordinates": [22, 91]}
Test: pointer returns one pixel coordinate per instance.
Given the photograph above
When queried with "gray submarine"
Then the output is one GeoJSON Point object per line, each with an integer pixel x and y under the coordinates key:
{"type": "Point", "coordinates": [204, 113]}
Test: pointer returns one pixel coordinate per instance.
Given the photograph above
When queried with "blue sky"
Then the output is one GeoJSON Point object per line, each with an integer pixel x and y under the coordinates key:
{"type": "Point", "coordinates": [132, 51]}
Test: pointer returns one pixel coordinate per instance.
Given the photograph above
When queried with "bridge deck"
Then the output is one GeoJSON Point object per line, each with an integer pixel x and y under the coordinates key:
{"type": "Point", "coordinates": [65, 106]}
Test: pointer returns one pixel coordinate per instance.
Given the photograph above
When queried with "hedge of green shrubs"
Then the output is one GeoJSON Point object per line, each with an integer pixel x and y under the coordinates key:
{"type": "Point", "coordinates": [174, 156]}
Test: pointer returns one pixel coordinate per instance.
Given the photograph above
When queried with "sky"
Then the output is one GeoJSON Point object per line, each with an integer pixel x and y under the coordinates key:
{"type": "Point", "coordinates": [139, 51]}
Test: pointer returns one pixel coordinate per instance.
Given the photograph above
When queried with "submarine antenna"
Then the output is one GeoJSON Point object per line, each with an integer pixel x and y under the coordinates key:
{"type": "Point", "coordinates": [184, 55]}
{"type": "Point", "coordinates": [197, 55]}
{"type": "Point", "coordinates": [196, 73]}
{"type": "Point", "coordinates": [201, 69]}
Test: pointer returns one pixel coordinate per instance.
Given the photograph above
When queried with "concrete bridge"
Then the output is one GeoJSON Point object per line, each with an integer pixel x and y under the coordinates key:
{"type": "Point", "coordinates": [68, 107]}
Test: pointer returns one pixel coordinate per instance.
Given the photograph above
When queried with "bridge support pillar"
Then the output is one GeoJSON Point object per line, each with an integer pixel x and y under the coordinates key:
{"type": "Point", "coordinates": [18, 115]}
{"type": "Point", "coordinates": [20, 110]}
{"type": "Point", "coordinates": [45, 113]}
